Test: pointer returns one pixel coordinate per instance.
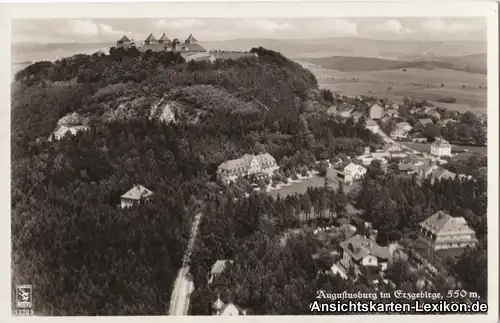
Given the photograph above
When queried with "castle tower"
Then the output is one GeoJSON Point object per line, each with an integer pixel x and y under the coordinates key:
{"type": "Point", "coordinates": [176, 45]}
{"type": "Point", "coordinates": [191, 40]}
{"type": "Point", "coordinates": [150, 40]}
{"type": "Point", "coordinates": [217, 306]}
{"type": "Point", "coordinates": [163, 39]}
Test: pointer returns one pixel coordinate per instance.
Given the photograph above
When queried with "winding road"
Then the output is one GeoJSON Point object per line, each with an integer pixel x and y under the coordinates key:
{"type": "Point", "coordinates": [183, 286]}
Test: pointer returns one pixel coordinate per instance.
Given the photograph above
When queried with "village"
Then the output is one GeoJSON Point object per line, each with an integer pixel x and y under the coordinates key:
{"type": "Point", "coordinates": [351, 245]}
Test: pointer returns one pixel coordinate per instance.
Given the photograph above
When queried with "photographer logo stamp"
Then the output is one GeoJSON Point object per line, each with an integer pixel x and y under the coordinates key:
{"type": "Point", "coordinates": [24, 296]}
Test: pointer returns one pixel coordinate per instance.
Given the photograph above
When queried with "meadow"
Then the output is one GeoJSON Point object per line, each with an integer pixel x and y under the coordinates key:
{"type": "Point", "coordinates": [429, 84]}
{"type": "Point", "coordinates": [301, 187]}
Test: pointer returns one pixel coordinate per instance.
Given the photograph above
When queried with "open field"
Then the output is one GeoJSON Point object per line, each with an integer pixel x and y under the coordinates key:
{"type": "Point", "coordinates": [301, 187]}
{"type": "Point", "coordinates": [418, 83]}
{"type": "Point", "coordinates": [426, 147]}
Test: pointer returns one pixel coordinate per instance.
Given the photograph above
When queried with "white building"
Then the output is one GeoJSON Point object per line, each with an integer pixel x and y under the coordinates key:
{"type": "Point", "coordinates": [262, 165]}
{"type": "Point", "coordinates": [351, 173]}
{"type": "Point", "coordinates": [376, 112]}
{"type": "Point", "coordinates": [401, 131]}
{"type": "Point", "coordinates": [441, 147]}
{"type": "Point", "coordinates": [227, 309]}
{"type": "Point", "coordinates": [444, 232]}
{"type": "Point", "coordinates": [135, 195]}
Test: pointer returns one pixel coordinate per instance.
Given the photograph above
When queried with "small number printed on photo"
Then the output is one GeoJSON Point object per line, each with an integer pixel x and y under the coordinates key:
{"type": "Point", "coordinates": [24, 296]}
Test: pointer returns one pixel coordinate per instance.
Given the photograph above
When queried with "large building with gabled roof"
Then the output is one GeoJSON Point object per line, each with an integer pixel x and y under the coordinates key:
{"type": "Point", "coordinates": [443, 233]}
{"type": "Point", "coordinates": [257, 166]}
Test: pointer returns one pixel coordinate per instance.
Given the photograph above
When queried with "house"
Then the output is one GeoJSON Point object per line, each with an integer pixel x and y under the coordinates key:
{"type": "Point", "coordinates": [391, 112]}
{"type": "Point", "coordinates": [253, 166]}
{"type": "Point", "coordinates": [332, 110]}
{"type": "Point", "coordinates": [401, 131]}
{"type": "Point", "coordinates": [443, 233]}
{"type": "Point", "coordinates": [392, 147]}
{"type": "Point", "coordinates": [376, 112]}
{"type": "Point", "coordinates": [425, 170]}
{"type": "Point", "coordinates": [440, 147]}
{"type": "Point", "coordinates": [372, 126]}
{"type": "Point", "coordinates": [124, 42]}
{"type": "Point", "coordinates": [62, 130]}
{"type": "Point", "coordinates": [356, 116]}
{"type": "Point", "coordinates": [228, 309]}
{"type": "Point", "coordinates": [365, 159]}
{"type": "Point", "coordinates": [419, 139]}
{"type": "Point", "coordinates": [423, 122]}
{"type": "Point", "coordinates": [135, 195]}
{"type": "Point", "coordinates": [434, 114]}
{"type": "Point", "coordinates": [405, 168]}
{"type": "Point", "coordinates": [445, 122]}
{"type": "Point", "coordinates": [217, 269]}
{"type": "Point", "coordinates": [381, 155]}
{"type": "Point", "coordinates": [351, 173]}
{"type": "Point", "coordinates": [346, 113]}
{"type": "Point", "coordinates": [362, 256]}
{"type": "Point", "coordinates": [440, 173]}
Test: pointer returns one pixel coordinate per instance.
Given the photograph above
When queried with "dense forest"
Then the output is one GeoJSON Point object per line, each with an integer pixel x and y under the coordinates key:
{"type": "Point", "coordinates": [272, 271]}
{"type": "Point", "coordinates": [70, 240]}
{"type": "Point", "coordinates": [76, 247]}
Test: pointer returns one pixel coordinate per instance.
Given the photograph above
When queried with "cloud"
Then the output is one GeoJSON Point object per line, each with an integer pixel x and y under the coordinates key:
{"type": "Point", "coordinates": [338, 26]}
{"type": "Point", "coordinates": [439, 27]}
{"type": "Point", "coordinates": [179, 23]}
{"type": "Point", "coordinates": [265, 25]}
{"type": "Point", "coordinates": [88, 30]}
{"type": "Point", "coordinates": [393, 26]}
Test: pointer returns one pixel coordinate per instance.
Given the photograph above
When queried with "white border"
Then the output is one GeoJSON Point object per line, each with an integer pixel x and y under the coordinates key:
{"type": "Point", "coordinates": [255, 9]}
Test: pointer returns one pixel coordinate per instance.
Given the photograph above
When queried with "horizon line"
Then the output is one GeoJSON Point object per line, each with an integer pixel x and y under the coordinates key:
{"type": "Point", "coordinates": [279, 39]}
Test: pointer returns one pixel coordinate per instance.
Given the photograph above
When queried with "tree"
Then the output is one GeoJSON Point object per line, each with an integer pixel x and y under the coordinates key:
{"type": "Point", "coordinates": [431, 130]}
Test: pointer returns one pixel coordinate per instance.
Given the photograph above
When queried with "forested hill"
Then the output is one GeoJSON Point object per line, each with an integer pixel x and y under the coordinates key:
{"type": "Point", "coordinates": [84, 255]}
{"type": "Point", "coordinates": [98, 85]}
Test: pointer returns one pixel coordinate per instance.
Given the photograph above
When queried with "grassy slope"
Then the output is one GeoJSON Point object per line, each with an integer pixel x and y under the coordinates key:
{"type": "Point", "coordinates": [470, 63]}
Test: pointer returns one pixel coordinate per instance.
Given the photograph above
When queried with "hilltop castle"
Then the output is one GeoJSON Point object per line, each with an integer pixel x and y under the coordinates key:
{"type": "Point", "coordinates": [190, 48]}
{"type": "Point", "coordinates": [190, 45]}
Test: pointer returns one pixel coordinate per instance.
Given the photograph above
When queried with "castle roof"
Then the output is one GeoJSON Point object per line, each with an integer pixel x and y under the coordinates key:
{"type": "Point", "coordinates": [194, 48]}
{"type": "Point", "coordinates": [164, 37]}
{"type": "Point", "coordinates": [190, 38]}
{"type": "Point", "coordinates": [124, 39]}
{"type": "Point", "coordinates": [151, 38]}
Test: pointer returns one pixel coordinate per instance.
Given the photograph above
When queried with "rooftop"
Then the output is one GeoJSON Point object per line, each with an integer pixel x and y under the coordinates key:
{"type": "Point", "coordinates": [359, 247]}
{"type": "Point", "coordinates": [443, 222]}
{"type": "Point", "coordinates": [138, 192]}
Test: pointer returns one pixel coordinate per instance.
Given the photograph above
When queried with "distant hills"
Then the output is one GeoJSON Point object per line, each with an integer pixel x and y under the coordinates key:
{"type": "Point", "coordinates": [475, 63]}
{"type": "Point", "coordinates": [292, 48]}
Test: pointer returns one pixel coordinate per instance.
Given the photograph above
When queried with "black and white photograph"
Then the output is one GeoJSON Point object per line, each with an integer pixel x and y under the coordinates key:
{"type": "Point", "coordinates": [195, 165]}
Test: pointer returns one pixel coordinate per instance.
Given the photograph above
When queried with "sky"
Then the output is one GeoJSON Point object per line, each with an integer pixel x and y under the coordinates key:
{"type": "Point", "coordinates": [214, 29]}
